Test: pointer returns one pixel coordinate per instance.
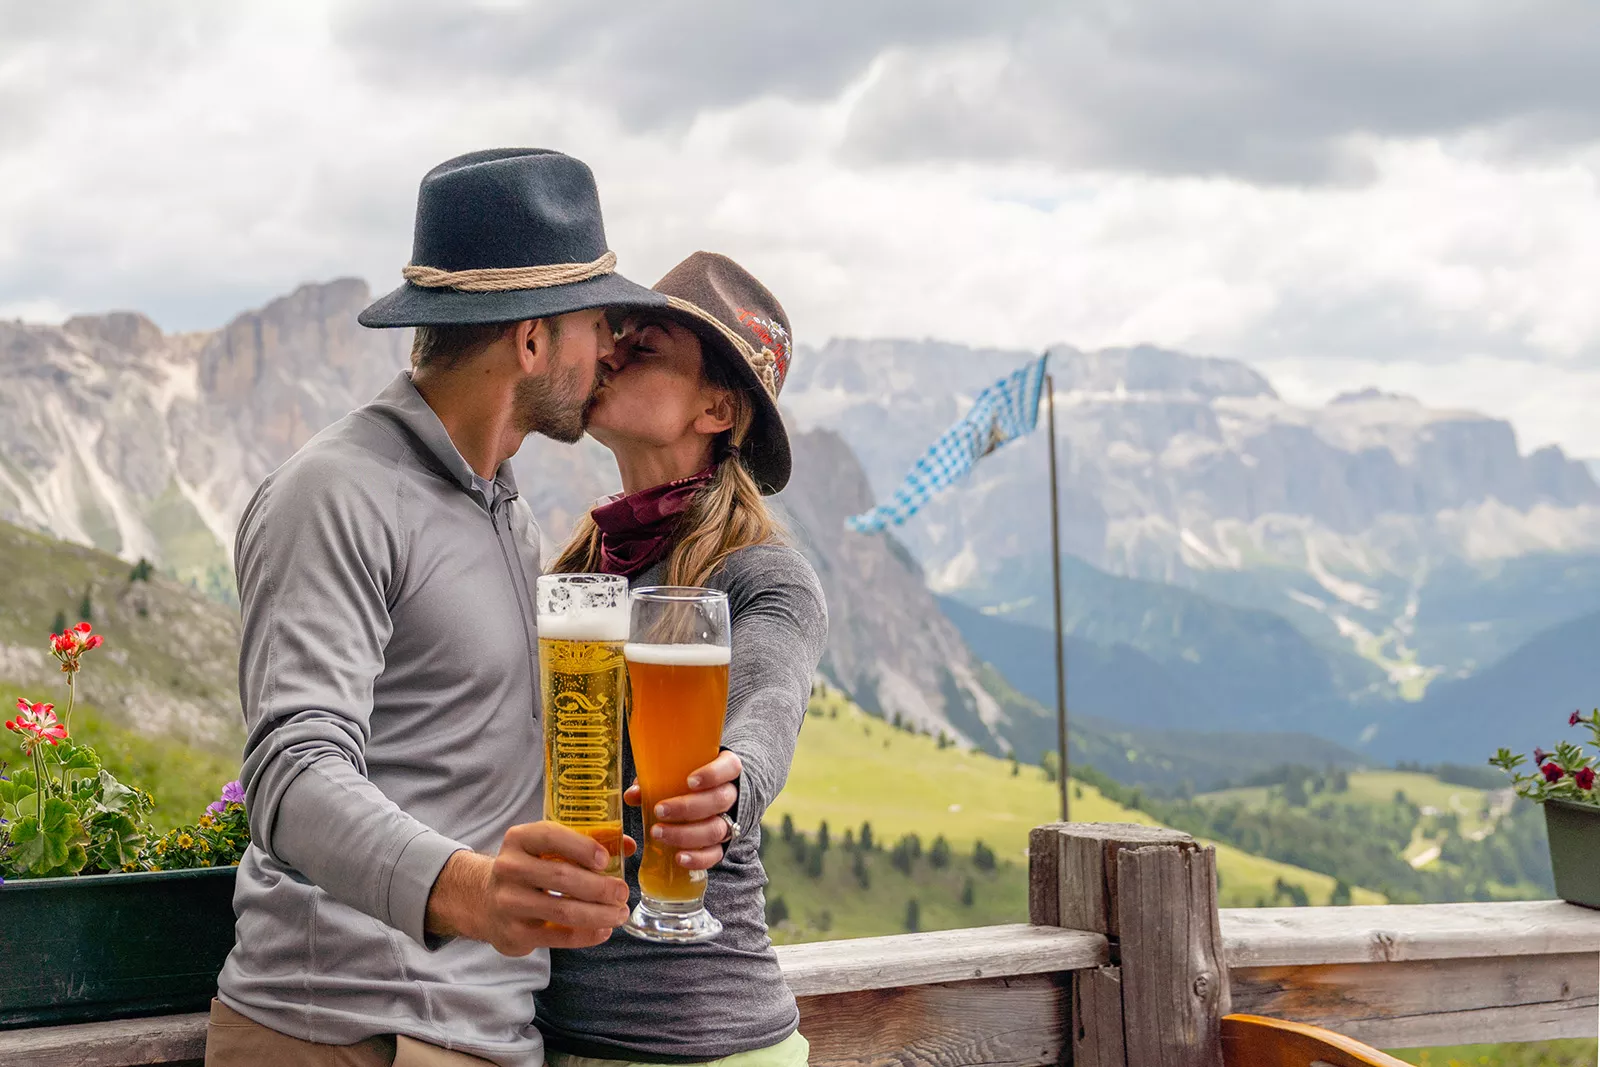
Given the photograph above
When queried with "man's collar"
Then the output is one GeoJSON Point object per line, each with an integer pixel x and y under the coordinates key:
{"type": "Point", "coordinates": [401, 402]}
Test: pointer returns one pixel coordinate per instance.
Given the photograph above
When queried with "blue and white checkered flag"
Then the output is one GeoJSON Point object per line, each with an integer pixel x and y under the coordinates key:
{"type": "Point", "coordinates": [1006, 410]}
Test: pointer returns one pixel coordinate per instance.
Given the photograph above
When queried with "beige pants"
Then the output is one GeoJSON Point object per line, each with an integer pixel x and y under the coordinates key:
{"type": "Point", "coordinates": [235, 1041]}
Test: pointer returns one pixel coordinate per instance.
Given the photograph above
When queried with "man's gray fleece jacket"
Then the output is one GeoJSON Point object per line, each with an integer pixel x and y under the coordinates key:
{"type": "Point", "coordinates": [388, 680]}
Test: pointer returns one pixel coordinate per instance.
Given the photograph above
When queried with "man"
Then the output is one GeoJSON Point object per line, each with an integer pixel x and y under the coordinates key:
{"type": "Point", "coordinates": [398, 902]}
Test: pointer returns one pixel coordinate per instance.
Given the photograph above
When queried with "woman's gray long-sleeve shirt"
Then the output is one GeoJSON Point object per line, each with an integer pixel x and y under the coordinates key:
{"type": "Point", "coordinates": [632, 1000]}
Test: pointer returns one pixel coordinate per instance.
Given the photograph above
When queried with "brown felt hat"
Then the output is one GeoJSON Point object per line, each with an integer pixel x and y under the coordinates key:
{"type": "Point", "coordinates": [740, 322]}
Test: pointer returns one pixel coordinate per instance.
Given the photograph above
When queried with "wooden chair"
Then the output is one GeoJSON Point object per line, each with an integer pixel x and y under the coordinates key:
{"type": "Point", "coordinates": [1252, 1041]}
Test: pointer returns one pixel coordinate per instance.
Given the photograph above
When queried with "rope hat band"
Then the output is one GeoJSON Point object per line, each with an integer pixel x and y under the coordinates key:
{"type": "Point", "coordinates": [763, 363]}
{"type": "Point", "coordinates": [507, 279]}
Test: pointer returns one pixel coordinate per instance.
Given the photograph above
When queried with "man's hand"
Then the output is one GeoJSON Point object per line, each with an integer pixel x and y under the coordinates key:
{"type": "Point", "coordinates": [693, 824]}
{"type": "Point", "coordinates": [507, 900]}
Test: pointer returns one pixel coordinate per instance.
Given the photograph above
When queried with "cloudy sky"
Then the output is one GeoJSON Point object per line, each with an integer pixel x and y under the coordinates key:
{"type": "Point", "coordinates": [1343, 193]}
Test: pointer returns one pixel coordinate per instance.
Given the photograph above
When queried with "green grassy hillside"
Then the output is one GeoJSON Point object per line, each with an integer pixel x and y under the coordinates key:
{"type": "Point", "coordinates": [850, 768]}
{"type": "Point", "coordinates": [169, 665]}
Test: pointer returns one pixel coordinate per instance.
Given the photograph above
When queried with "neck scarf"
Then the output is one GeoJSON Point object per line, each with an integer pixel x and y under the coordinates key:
{"type": "Point", "coordinates": [638, 530]}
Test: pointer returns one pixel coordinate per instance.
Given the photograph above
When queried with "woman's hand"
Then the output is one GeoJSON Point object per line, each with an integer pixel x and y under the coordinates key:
{"type": "Point", "coordinates": [692, 824]}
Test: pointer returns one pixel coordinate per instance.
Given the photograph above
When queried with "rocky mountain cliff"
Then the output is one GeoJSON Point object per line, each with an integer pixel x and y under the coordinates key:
{"type": "Point", "coordinates": [116, 436]}
{"type": "Point", "coordinates": [1194, 471]}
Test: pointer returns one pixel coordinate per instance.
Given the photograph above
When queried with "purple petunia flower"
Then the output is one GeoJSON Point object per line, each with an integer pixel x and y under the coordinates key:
{"type": "Point", "coordinates": [216, 807]}
{"type": "Point", "coordinates": [233, 793]}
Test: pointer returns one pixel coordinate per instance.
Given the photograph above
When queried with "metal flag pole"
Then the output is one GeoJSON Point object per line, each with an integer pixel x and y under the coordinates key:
{"type": "Point", "coordinates": [1055, 586]}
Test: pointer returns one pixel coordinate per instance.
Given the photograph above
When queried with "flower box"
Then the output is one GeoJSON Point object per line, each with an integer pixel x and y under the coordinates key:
{"type": "Point", "coordinates": [1574, 831]}
{"type": "Point", "coordinates": [112, 946]}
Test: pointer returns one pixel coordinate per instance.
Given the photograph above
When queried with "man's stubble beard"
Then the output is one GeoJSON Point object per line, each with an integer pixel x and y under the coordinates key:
{"type": "Point", "coordinates": [555, 404]}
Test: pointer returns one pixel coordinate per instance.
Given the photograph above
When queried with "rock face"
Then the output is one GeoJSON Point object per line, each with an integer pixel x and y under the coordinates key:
{"type": "Point", "coordinates": [889, 644]}
{"type": "Point", "coordinates": [144, 445]}
{"type": "Point", "coordinates": [116, 436]}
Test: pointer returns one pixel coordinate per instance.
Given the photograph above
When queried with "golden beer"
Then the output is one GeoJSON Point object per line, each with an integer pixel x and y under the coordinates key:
{"type": "Point", "coordinates": [583, 682]}
{"type": "Point", "coordinates": [679, 698]}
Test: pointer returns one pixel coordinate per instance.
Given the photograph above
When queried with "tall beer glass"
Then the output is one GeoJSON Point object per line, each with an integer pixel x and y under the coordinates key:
{"type": "Point", "coordinates": [677, 656]}
{"type": "Point", "coordinates": [583, 625]}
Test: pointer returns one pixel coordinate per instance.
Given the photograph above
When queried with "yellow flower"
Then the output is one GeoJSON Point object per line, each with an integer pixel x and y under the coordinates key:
{"type": "Point", "coordinates": [206, 821]}
{"type": "Point", "coordinates": [204, 847]}
{"type": "Point", "coordinates": [185, 841]}
{"type": "Point", "coordinates": [161, 847]}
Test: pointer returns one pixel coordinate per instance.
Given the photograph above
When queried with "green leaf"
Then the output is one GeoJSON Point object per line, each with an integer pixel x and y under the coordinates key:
{"type": "Point", "coordinates": [117, 841]}
{"type": "Point", "coordinates": [79, 758]}
{"type": "Point", "coordinates": [114, 796]}
{"type": "Point", "coordinates": [56, 847]}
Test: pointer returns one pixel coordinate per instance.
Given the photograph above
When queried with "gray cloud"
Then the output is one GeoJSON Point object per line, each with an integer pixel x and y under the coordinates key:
{"type": "Point", "coordinates": [1269, 90]}
{"type": "Point", "coordinates": [657, 63]}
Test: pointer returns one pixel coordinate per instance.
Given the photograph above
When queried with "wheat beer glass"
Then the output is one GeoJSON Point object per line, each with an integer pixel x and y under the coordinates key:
{"type": "Point", "coordinates": [583, 625]}
{"type": "Point", "coordinates": [677, 656]}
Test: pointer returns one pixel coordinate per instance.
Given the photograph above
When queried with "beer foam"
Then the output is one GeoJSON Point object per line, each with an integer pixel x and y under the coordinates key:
{"type": "Point", "coordinates": [586, 624]}
{"type": "Point", "coordinates": [677, 655]}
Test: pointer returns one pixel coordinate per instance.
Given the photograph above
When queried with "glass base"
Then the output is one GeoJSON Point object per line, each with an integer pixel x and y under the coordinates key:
{"type": "Point", "coordinates": [680, 922]}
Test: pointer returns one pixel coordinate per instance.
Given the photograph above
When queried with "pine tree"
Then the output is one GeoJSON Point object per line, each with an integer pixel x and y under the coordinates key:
{"type": "Point", "coordinates": [969, 893]}
{"type": "Point", "coordinates": [866, 836]}
{"type": "Point", "coordinates": [787, 829]}
{"type": "Point", "coordinates": [60, 623]}
{"type": "Point", "coordinates": [822, 836]}
{"type": "Point", "coordinates": [1341, 895]}
{"type": "Point", "coordinates": [913, 921]}
{"type": "Point", "coordinates": [982, 856]}
{"type": "Point", "coordinates": [777, 911]}
{"type": "Point", "coordinates": [939, 854]}
{"type": "Point", "coordinates": [814, 863]}
{"type": "Point", "coordinates": [859, 869]}
{"type": "Point", "coordinates": [85, 609]}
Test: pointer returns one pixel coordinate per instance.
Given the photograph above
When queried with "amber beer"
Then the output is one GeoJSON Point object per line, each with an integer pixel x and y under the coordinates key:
{"type": "Point", "coordinates": [583, 682]}
{"type": "Point", "coordinates": [680, 695]}
{"type": "Point", "coordinates": [678, 658]}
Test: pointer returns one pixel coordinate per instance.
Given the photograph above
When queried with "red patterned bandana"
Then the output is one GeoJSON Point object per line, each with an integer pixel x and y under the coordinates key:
{"type": "Point", "coordinates": [637, 531]}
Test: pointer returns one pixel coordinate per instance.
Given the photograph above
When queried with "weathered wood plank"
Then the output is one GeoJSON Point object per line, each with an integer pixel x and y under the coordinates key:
{"type": "Point", "coordinates": [943, 956]}
{"type": "Point", "coordinates": [1044, 876]}
{"type": "Point", "coordinates": [1085, 854]}
{"type": "Point", "coordinates": [1003, 1022]}
{"type": "Point", "coordinates": [1274, 937]}
{"type": "Point", "coordinates": [1174, 985]}
{"type": "Point", "coordinates": [1097, 1018]}
{"type": "Point", "coordinates": [165, 1039]}
{"type": "Point", "coordinates": [1432, 1002]}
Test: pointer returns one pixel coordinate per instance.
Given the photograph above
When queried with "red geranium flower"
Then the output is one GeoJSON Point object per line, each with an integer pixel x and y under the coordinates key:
{"type": "Point", "coordinates": [1552, 773]}
{"type": "Point", "coordinates": [68, 645]}
{"type": "Point", "coordinates": [1575, 719]}
{"type": "Point", "coordinates": [37, 723]}
{"type": "Point", "coordinates": [1584, 777]}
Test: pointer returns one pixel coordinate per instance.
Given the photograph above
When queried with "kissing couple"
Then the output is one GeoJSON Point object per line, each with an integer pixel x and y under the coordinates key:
{"type": "Point", "coordinates": [403, 899]}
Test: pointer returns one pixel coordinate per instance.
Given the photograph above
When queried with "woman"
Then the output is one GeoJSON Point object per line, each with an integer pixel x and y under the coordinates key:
{"type": "Point", "coordinates": [689, 410]}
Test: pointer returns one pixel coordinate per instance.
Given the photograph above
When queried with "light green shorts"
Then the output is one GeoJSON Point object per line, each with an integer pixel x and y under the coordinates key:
{"type": "Point", "coordinates": [792, 1051]}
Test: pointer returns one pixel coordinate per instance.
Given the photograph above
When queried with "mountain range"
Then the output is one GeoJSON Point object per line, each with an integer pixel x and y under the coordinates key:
{"type": "Point", "coordinates": [144, 445]}
{"type": "Point", "coordinates": [1403, 546]}
{"type": "Point", "coordinates": [1233, 562]}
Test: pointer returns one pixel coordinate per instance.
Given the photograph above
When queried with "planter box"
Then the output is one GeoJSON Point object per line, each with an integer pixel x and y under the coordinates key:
{"type": "Point", "coordinates": [112, 946]}
{"type": "Point", "coordinates": [1574, 831]}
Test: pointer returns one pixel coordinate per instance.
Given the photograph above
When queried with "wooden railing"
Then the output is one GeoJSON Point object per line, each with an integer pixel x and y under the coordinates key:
{"type": "Point", "coordinates": [1128, 963]}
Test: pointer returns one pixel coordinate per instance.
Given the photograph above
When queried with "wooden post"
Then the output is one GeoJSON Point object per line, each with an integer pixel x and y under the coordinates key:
{"type": "Point", "coordinates": [1153, 893]}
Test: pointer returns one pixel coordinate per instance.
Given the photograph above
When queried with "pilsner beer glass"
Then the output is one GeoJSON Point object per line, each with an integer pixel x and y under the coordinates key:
{"type": "Point", "coordinates": [583, 625]}
{"type": "Point", "coordinates": [677, 656]}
